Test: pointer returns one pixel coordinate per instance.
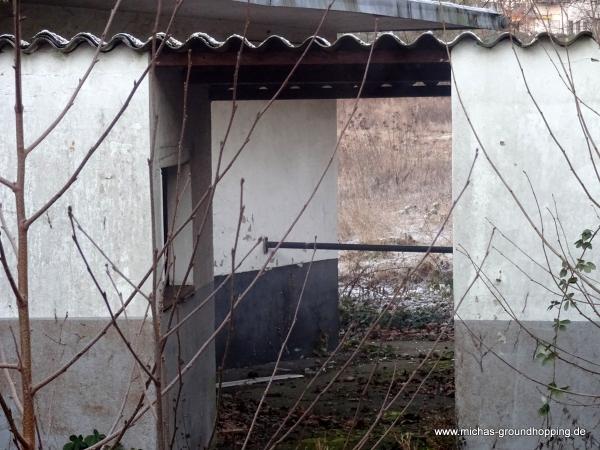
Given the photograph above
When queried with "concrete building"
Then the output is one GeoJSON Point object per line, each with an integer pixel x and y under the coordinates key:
{"type": "Point", "coordinates": [114, 203]}
{"type": "Point", "coordinates": [558, 17]}
{"type": "Point", "coordinates": [280, 166]}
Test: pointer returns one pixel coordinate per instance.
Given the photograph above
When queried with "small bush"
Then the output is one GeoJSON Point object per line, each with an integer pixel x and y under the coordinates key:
{"type": "Point", "coordinates": [78, 442]}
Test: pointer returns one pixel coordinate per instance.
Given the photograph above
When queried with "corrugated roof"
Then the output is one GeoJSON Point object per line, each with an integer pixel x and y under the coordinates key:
{"type": "Point", "coordinates": [204, 43]}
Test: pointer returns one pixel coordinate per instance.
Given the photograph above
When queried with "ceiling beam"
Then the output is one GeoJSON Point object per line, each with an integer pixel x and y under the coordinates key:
{"type": "Point", "coordinates": [323, 74]}
{"type": "Point", "coordinates": [329, 92]}
{"type": "Point", "coordinates": [313, 57]}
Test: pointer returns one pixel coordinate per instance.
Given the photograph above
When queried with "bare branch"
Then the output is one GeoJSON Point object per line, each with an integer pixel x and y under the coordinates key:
{"type": "Point", "coordinates": [9, 184]}
{"type": "Point", "coordinates": [105, 298]}
{"type": "Point", "coordinates": [9, 275]}
{"type": "Point", "coordinates": [108, 129]}
{"type": "Point", "coordinates": [281, 350]}
{"type": "Point", "coordinates": [4, 227]}
{"type": "Point", "coordinates": [18, 437]}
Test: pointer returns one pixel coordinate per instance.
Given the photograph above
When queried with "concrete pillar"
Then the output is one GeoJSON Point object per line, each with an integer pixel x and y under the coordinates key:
{"type": "Point", "coordinates": [190, 405]}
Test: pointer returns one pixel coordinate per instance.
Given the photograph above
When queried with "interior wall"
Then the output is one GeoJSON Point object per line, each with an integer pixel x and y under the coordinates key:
{"type": "Point", "coordinates": [280, 165]}
{"type": "Point", "coordinates": [500, 317]}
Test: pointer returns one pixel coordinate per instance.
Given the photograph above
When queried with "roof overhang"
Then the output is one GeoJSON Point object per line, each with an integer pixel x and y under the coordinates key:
{"type": "Point", "coordinates": [393, 15]}
{"type": "Point", "coordinates": [279, 16]}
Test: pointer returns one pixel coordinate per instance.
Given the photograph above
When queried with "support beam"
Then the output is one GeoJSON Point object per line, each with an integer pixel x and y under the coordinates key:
{"type": "Point", "coordinates": [327, 91]}
{"type": "Point", "coordinates": [348, 73]}
{"type": "Point", "coordinates": [357, 247]}
{"type": "Point", "coordinates": [317, 56]}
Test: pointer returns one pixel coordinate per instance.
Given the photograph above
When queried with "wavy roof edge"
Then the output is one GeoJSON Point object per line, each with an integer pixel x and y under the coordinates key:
{"type": "Point", "coordinates": [205, 42]}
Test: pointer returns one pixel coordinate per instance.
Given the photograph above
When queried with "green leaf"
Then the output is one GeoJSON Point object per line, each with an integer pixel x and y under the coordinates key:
{"type": "Point", "coordinates": [549, 357]}
{"type": "Point", "coordinates": [77, 442]}
{"type": "Point", "coordinates": [555, 390]}
{"type": "Point", "coordinates": [561, 324]}
{"type": "Point", "coordinates": [544, 410]}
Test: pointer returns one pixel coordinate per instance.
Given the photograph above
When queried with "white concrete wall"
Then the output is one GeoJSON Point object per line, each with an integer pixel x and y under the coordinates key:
{"type": "Point", "coordinates": [282, 163]}
{"type": "Point", "coordinates": [111, 197]}
{"type": "Point", "coordinates": [516, 139]}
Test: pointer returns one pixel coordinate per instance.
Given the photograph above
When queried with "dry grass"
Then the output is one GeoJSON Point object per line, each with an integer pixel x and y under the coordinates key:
{"type": "Point", "coordinates": [395, 170]}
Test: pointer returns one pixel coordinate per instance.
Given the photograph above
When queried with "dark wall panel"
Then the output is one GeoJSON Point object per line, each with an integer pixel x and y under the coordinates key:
{"type": "Point", "coordinates": [262, 319]}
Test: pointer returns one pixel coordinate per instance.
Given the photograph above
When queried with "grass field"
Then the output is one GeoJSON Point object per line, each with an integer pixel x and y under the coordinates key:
{"type": "Point", "coordinates": [395, 187]}
{"type": "Point", "coordinates": [395, 170]}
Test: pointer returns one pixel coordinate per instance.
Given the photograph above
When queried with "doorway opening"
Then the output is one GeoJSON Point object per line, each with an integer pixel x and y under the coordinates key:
{"type": "Point", "coordinates": [298, 132]}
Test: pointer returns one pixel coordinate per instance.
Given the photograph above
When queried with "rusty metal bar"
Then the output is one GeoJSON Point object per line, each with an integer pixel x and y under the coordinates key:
{"type": "Point", "coordinates": [356, 247]}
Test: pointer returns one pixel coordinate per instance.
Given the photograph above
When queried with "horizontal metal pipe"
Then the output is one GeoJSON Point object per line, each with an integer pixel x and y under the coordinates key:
{"type": "Point", "coordinates": [357, 247]}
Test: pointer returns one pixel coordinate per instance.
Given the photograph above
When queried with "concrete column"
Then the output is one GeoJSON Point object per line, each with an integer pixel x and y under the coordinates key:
{"type": "Point", "coordinates": [190, 405]}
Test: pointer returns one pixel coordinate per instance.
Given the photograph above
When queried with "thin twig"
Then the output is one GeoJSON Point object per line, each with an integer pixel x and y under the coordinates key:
{"type": "Point", "coordinates": [105, 297]}
{"type": "Point", "coordinates": [4, 227]}
{"type": "Point", "coordinates": [281, 349]}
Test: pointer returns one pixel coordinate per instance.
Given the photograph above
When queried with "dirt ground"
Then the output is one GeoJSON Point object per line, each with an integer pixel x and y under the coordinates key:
{"type": "Point", "coordinates": [344, 413]}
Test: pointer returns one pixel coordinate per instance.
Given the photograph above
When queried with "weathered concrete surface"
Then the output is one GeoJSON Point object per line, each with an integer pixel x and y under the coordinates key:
{"type": "Point", "coordinates": [69, 19]}
{"type": "Point", "coordinates": [91, 393]}
{"type": "Point", "coordinates": [190, 404]}
{"type": "Point", "coordinates": [111, 198]}
{"type": "Point", "coordinates": [281, 165]}
{"type": "Point", "coordinates": [262, 321]}
{"type": "Point", "coordinates": [517, 284]}
{"type": "Point", "coordinates": [492, 394]}
{"type": "Point", "coordinates": [407, 14]}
